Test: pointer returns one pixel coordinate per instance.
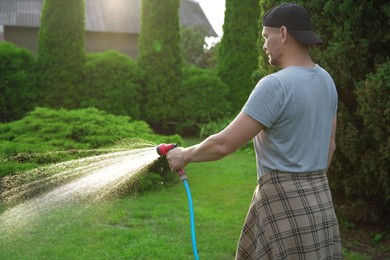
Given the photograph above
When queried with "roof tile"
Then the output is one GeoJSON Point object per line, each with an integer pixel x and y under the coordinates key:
{"type": "Point", "coordinates": [101, 15]}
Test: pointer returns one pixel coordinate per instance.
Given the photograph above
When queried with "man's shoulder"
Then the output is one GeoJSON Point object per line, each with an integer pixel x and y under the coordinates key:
{"type": "Point", "coordinates": [280, 77]}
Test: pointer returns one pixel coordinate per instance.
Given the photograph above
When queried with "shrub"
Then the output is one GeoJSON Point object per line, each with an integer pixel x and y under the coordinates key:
{"type": "Point", "coordinates": [361, 186]}
{"type": "Point", "coordinates": [48, 136]}
{"type": "Point", "coordinates": [374, 108]}
{"type": "Point", "coordinates": [203, 98]}
{"type": "Point", "coordinates": [18, 83]}
{"type": "Point", "coordinates": [192, 45]}
{"type": "Point", "coordinates": [49, 130]}
{"type": "Point", "coordinates": [112, 84]}
{"type": "Point", "coordinates": [214, 127]}
{"type": "Point", "coordinates": [160, 57]}
{"type": "Point", "coordinates": [61, 52]}
{"type": "Point", "coordinates": [237, 57]}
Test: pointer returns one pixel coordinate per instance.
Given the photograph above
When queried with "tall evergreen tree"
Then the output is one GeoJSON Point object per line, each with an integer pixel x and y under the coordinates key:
{"type": "Point", "coordinates": [160, 57]}
{"type": "Point", "coordinates": [238, 56]}
{"type": "Point", "coordinates": [356, 44]}
{"type": "Point", "coordinates": [61, 52]}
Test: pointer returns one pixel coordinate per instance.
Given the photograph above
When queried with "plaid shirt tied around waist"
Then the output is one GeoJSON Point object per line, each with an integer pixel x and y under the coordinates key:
{"type": "Point", "coordinates": [291, 216]}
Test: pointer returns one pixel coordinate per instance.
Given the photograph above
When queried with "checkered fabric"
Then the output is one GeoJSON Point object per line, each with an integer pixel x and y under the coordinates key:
{"type": "Point", "coordinates": [291, 216]}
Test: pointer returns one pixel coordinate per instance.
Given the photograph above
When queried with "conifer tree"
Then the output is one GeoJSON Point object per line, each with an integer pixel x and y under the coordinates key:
{"type": "Point", "coordinates": [61, 52]}
{"type": "Point", "coordinates": [160, 57]}
{"type": "Point", "coordinates": [238, 56]}
{"type": "Point", "coordinates": [356, 44]}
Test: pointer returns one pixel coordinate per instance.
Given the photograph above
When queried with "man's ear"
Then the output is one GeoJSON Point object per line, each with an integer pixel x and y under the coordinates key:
{"type": "Point", "coordinates": [283, 33]}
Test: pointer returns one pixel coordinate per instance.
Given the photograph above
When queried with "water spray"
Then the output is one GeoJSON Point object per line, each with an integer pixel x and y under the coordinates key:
{"type": "Point", "coordinates": [163, 150]}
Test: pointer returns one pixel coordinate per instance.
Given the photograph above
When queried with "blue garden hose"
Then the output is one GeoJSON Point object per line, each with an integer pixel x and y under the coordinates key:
{"type": "Point", "coordinates": [163, 150]}
{"type": "Point", "coordinates": [192, 219]}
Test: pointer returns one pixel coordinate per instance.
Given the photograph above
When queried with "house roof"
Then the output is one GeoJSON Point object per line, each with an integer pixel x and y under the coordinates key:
{"type": "Point", "coordinates": [121, 16]}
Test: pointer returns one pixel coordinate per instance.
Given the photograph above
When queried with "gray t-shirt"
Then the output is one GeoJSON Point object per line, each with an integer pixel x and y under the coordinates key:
{"type": "Point", "coordinates": [296, 105]}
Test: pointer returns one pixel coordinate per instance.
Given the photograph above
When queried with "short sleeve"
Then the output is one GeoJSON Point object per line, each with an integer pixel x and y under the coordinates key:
{"type": "Point", "coordinates": [265, 102]}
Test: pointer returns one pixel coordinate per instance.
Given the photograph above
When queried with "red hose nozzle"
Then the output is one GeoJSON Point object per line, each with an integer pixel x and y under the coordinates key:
{"type": "Point", "coordinates": [163, 149]}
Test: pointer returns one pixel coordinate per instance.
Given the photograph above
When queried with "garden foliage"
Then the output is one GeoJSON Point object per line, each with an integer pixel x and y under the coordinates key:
{"type": "Point", "coordinates": [18, 92]}
{"type": "Point", "coordinates": [48, 136]}
{"type": "Point", "coordinates": [53, 130]}
{"type": "Point", "coordinates": [61, 52]}
{"type": "Point", "coordinates": [238, 57]}
{"type": "Point", "coordinates": [364, 181]}
{"type": "Point", "coordinates": [160, 57]}
{"type": "Point", "coordinates": [112, 83]}
{"type": "Point", "coordinates": [202, 98]}
{"type": "Point", "coordinates": [356, 43]}
{"type": "Point", "coordinates": [195, 50]}
{"type": "Point", "coordinates": [356, 53]}
{"type": "Point", "coordinates": [192, 44]}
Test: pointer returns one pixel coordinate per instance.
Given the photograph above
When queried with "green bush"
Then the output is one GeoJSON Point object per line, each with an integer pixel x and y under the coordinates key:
{"type": "Point", "coordinates": [192, 45]}
{"type": "Point", "coordinates": [238, 57]}
{"type": "Point", "coordinates": [160, 57]}
{"type": "Point", "coordinates": [214, 127]}
{"type": "Point", "coordinates": [112, 83]}
{"type": "Point", "coordinates": [18, 90]}
{"type": "Point", "coordinates": [61, 52]}
{"type": "Point", "coordinates": [373, 96]}
{"type": "Point", "coordinates": [361, 186]}
{"type": "Point", "coordinates": [48, 136]}
{"type": "Point", "coordinates": [49, 130]}
{"type": "Point", "coordinates": [374, 107]}
{"type": "Point", "coordinates": [203, 98]}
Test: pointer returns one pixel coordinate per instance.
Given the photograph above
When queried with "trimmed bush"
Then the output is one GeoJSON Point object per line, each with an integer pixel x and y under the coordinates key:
{"type": "Point", "coordinates": [203, 98]}
{"type": "Point", "coordinates": [52, 130]}
{"type": "Point", "coordinates": [160, 57]}
{"type": "Point", "coordinates": [18, 90]}
{"type": "Point", "coordinates": [112, 84]}
{"type": "Point", "coordinates": [48, 136]}
{"type": "Point", "coordinates": [61, 52]}
{"type": "Point", "coordinates": [237, 57]}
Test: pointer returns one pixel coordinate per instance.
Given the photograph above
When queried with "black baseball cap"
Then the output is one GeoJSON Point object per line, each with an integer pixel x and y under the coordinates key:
{"type": "Point", "coordinates": [295, 18]}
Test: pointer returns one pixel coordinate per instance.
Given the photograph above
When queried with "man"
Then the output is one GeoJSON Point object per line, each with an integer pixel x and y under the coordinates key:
{"type": "Point", "coordinates": [291, 116]}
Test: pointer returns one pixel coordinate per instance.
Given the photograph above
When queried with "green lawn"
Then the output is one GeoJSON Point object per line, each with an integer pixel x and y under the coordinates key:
{"type": "Point", "coordinates": [152, 226]}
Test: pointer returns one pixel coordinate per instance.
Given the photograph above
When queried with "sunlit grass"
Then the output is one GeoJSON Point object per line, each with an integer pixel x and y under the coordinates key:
{"type": "Point", "coordinates": [154, 225]}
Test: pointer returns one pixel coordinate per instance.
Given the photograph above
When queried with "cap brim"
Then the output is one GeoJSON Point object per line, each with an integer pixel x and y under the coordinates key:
{"type": "Point", "coordinates": [305, 37]}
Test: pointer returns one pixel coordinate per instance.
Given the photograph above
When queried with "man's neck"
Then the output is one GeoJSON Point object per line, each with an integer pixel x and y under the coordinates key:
{"type": "Point", "coordinates": [298, 57]}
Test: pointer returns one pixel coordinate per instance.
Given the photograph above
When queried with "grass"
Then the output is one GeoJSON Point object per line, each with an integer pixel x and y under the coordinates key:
{"type": "Point", "coordinates": [152, 226]}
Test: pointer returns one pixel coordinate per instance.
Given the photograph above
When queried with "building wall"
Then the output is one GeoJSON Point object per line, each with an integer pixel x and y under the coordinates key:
{"type": "Point", "coordinates": [22, 36]}
{"type": "Point", "coordinates": [1, 33]}
{"type": "Point", "coordinates": [101, 41]}
{"type": "Point", "coordinates": [94, 42]}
